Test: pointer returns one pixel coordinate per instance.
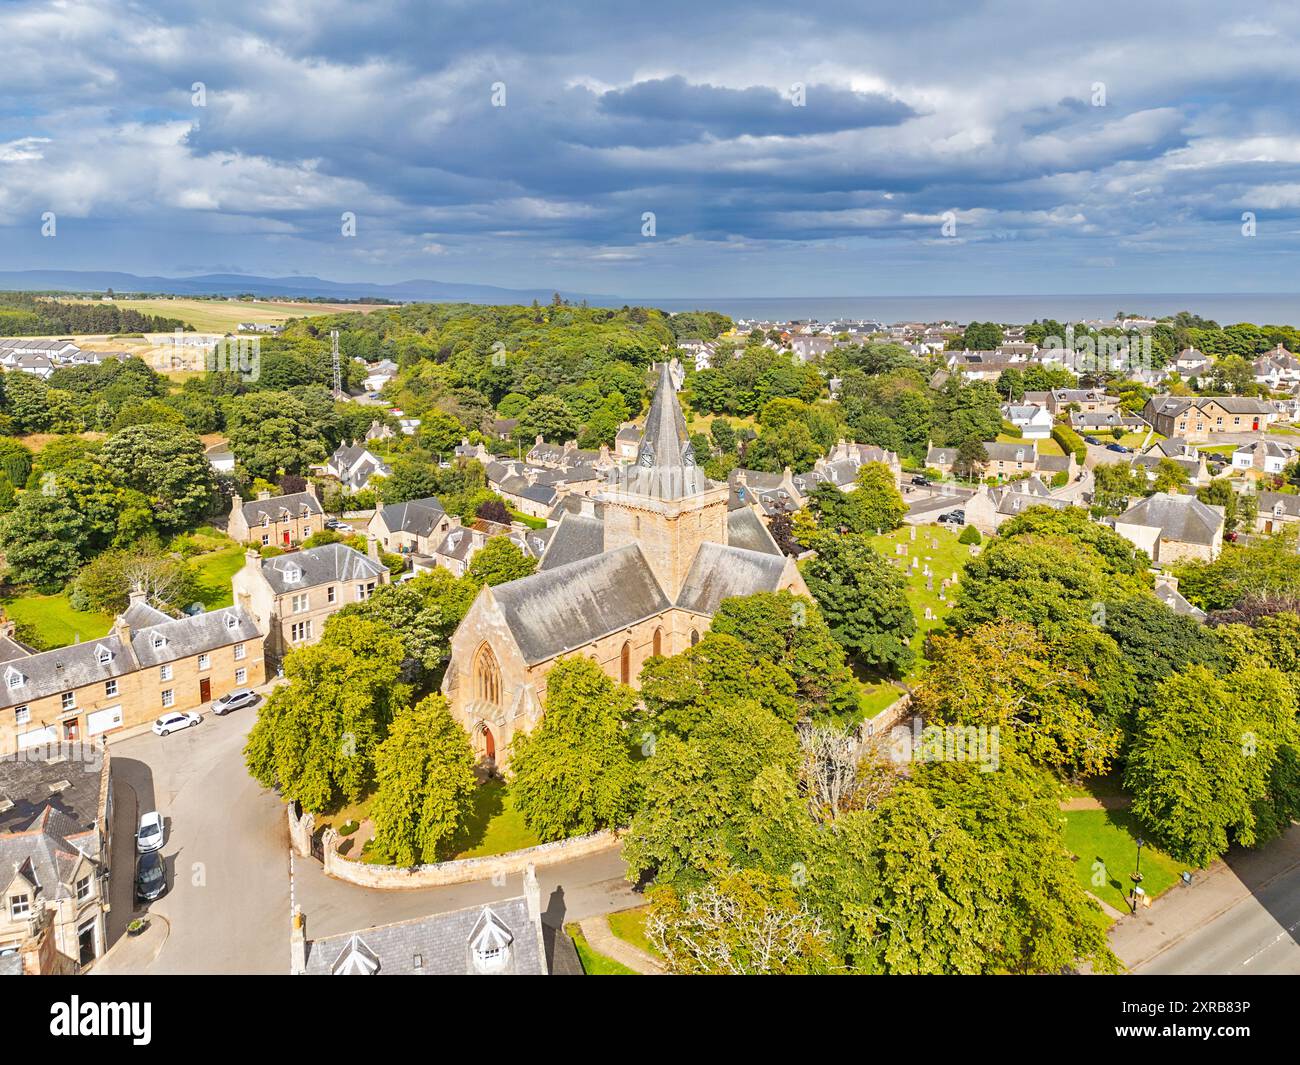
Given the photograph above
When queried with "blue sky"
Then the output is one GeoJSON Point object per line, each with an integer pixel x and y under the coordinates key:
{"type": "Point", "coordinates": [1100, 147]}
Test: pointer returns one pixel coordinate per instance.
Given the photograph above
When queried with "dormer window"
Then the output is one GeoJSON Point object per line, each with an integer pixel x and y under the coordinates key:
{"type": "Point", "coordinates": [232, 622]}
{"type": "Point", "coordinates": [159, 641]}
{"type": "Point", "coordinates": [292, 574]}
{"type": "Point", "coordinates": [13, 678]}
{"type": "Point", "coordinates": [490, 943]}
{"type": "Point", "coordinates": [103, 655]}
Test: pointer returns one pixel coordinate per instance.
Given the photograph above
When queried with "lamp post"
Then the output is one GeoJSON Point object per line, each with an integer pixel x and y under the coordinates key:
{"type": "Point", "coordinates": [1136, 875]}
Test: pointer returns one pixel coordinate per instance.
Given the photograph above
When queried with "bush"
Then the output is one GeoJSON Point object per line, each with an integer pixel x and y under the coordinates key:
{"type": "Point", "coordinates": [969, 535]}
{"type": "Point", "coordinates": [1071, 441]}
{"type": "Point", "coordinates": [348, 827]}
{"type": "Point", "coordinates": [270, 550]}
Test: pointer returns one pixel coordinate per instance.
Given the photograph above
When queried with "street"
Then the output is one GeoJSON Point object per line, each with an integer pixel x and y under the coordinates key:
{"type": "Point", "coordinates": [228, 907]}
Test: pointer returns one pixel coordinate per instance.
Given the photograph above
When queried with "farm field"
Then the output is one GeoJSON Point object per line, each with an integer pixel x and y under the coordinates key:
{"type": "Point", "coordinates": [219, 316]}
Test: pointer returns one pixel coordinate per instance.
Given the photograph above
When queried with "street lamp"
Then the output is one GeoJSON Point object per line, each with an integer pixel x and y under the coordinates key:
{"type": "Point", "coordinates": [1136, 875]}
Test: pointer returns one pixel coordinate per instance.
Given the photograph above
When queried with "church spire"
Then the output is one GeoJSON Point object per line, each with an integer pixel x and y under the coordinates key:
{"type": "Point", "coordinates": [665, 461]}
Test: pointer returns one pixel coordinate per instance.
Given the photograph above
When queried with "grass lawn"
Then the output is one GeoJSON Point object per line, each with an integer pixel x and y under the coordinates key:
{"type": "Point", "coordinates": [944, 558]}
{"type": "Point", "coordinates": [629, 925]}
{"type": "Point", "coordinates": [1105, 842]}
{"type": "Point", "coordinates": [1218, 449]}
{"type": "Point", "coordinates": [594, 964]}
{"type": "Point", "coordinates": [495, 826]}
{"type": "Point", "coordinates": [51, 621]}
{"type": "Point", "coordinates": [527, 519]}
{"type": "Point", "coordinates": [212, 572]}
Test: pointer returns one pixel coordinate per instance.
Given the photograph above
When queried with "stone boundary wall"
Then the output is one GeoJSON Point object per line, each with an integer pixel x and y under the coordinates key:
{"type": "Point", "coordinates": [440, 874]}
{"type": "Point", "coordinates": [894, 714]}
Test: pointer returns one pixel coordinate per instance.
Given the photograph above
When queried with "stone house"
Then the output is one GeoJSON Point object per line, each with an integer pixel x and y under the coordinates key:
{"type": "Point", "coordinates": [148, 664]}
{"type": "Point", "coordinates": [1277, 511]}
{"type": "Point", "coordinates": [1198, 418]}
{"type": "Point", "coordinates": [291, 596]}
{"type": "Point", "coordinates": [415, 527]}
{"type": "Point", "coordinates": [1266, 456]}
{"type": "Point", "coordinates": [279, 521]}
{"type": "Point", "coordinates": [56, 822]}
{"type": "Point", "coordinates": [1173, 528]}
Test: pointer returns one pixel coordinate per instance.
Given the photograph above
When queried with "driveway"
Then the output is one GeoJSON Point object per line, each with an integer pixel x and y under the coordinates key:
{"type": "Point", "coordinates": [231, 879]}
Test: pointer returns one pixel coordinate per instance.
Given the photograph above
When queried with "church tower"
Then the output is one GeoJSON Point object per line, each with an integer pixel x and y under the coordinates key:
{"type": "Point", "coordinates": [664, 502]}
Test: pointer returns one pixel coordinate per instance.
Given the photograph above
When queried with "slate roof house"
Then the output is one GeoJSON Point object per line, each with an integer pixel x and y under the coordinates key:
{"type": "Point", "coordinates": [291, 596]}
{"type": "Point", "coordinates": [644, 578]}
{"type": "Point", "coordinates": [148, 663]}
{"type": "Point", "coordinates": [505, 938]}
{"type": "Point", "coordinates": [1198, 417]}
{"type": "Point", "coordinates": [1173, 528]}
{"type": "Point", "coordinates": [415, 527]}
{"type": "Point", "coordinates": [354, 465]}
{"type": "Point", "coordinates": [280, 521]}
{"type": "Point", "coordinates": [56, 819]}
{"type": "Point", "coordinates": [1276, 511]}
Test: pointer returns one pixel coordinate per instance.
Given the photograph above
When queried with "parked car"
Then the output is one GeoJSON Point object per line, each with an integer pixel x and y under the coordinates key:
{"type": "Point", "coordinates": [150, 835]}
{"type": "Point", "coordinates": [175, 721]}
{"type": "Point", "coordinates": [922, 481]}
{"type": "Point", "coordinates": [953, 517]}
{"type": "Point", "coordinates": [1119, 449]}
{"type": "Point", "coordinates": [1090, 439]}
{"type": "Point", "coordinates": [150, 876]}
{"type": "Point", "coordinates": [234, 700]}
{"type": "Point", "coordinates": [338, 526]}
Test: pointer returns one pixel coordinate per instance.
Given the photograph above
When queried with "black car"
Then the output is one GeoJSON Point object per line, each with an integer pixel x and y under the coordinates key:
{"type": "Point", "coordinates": [1091, 440]}
{"type": "Point", "coordinates": [150, 876]}
{"type": "Point", "coordinates": [1119, 449]}
{"type": "Point", "coordinates": [922, 481]}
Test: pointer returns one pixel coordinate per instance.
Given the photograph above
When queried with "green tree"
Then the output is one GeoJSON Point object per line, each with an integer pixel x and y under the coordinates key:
{"type": "Point", "coordinates": [575, 772]}
{"type": "Point", "coordinates": [167, 465]}
{"type": "Point", "coordinates": [877, 499]}
{"type": "Point", "coordinates": [315, 737]}
{"type": "Point", "coordinates": [499, 561]}
{"type": "Point", "coordinates": [425, 776]}
{"type": "Point", "coordinates": [864, 600]}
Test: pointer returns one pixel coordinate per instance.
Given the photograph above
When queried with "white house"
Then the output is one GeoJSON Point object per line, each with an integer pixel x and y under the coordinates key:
{"type": "Point", "coordinates": [1033, 421]}
{"type": "Point", "coordinates": [1270, 456]}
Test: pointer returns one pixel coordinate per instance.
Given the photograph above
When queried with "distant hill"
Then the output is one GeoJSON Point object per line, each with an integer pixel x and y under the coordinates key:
{"type": "Point", "coordinates": [284, 287]}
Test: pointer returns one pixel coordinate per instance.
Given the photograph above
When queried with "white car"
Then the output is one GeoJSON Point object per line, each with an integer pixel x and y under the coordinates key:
{"type": "Point", "coordinates": [234, 700]}
{"type": "Point", "coordinates": [150, 835]}
{"type": "Point", "coordinates": [172, 722]}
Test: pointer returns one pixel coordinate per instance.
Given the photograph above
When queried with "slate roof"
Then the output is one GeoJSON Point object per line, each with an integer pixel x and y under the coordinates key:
{"type": "Point", "coordinates": [745, 529]}
{"type": "Point", "coordinates": [278, 507]}
{"type": "Point", "coordinates": [1054, 463]}
{"type": "Point", "coordinates": [564, 607]}
{"type": "Point", "coordinates": [1026, 452]}
{"type": "Point", "coordinates": [576, 504]}
{"type": "Point", "coordinates": [1174, 599]}
{"type": "Point", "coordinates": [441, 943]}
{"type": "Point", "coordinates": [416, 516]}
{"type": "Point", "coordinates": [577, 537]}
{"type": "Point", "coordinates": [665, 463]}
{"type": "Point", "coordinates": [79, 664]}
{"type": "Point", "coordinates": [719, 572]}
{"type": "Point", "coordinates": [318, 565]}
{"type": "Point", "coordinates": [26, 782]}
{"type": "Point", "coordinates": [1178, 517]}
{"type": "Point", "coordinates": [1270, 501]}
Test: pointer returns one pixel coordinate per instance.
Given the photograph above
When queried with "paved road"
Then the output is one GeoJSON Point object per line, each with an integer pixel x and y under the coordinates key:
{"type": "Point", "coordinates": [227, 909]}
{"type": "Point", "coordinates": [1259, 936]}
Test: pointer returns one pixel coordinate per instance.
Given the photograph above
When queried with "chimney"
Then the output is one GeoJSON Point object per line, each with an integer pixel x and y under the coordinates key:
{"type": "Point", "coordinates": [311, 490]}
{"type": "Point", "coordinates": [372, 549]}
{"type": "Point", "coordinates": [264, 494]}
{"type": "Point", "coordinates": [298, 943]}
{"type": "Point", "coordinates": [539, 439]}
{"type": "Point", "coordinates": [123, 633]}
{"type": "Point", "coordinates": [137, 596]}
{"type": "Point", "coordinates": [236, 501]}
{"type": "Point", "coordinates": [532, 893]}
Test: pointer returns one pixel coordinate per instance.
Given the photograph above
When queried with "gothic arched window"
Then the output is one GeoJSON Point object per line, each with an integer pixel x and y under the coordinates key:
{"type": "Point", "coordinates": [487, 677]}
{"type": "Point", "coordinates": [625, 664]}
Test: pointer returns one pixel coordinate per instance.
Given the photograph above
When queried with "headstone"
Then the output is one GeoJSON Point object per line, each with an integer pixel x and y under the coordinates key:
{"type": "Point", "coordinates": [911, 529]}
{"type": "Point", "coordinates": [942, 598]}
{"type": "Point", "coordinates": [929, 614]}
{"type": "Point", "coordinates": [899, 549]}
{"type": "Point", "coordinates": [916, 562]}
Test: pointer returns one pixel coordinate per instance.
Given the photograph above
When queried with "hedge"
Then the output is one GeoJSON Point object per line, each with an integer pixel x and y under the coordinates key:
{"type": "Point", "coordinates": [1070, 441]}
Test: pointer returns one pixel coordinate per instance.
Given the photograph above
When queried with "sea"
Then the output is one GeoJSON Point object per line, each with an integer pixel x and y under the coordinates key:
{"type": "Point", "coordinates": [1224, 308]}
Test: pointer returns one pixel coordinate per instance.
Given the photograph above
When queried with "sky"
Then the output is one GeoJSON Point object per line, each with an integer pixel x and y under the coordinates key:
{"type": "Point", "coordinates": [782, 149]}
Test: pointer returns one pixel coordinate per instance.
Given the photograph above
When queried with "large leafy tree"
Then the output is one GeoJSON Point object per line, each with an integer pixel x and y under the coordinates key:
{"type": "Point", "coordinates": [575, 773]}
{"type": "Point", "coordinates": [273, 431]}
{"type": "Point", "coordinates": [315, 737]}
{"type": "Point", "coordinates": [166, 464]}
{"type": "Point", "coordinates": [1003, 674]}
{"type": "Point", "coordinates": [425, 776]}
{"type": "Point", "coordinates": [863, 598]}
{"type": "Point", "coordinates": [877, 499]}
{"type": "Point", "coordinates": [789, 631]}
{"type": "Point", "coordinates": [500, 560]}
{"type": "Point", "coordinates": [1214, 760]}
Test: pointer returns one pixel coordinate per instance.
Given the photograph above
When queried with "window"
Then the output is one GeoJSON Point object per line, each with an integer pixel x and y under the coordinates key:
{"type": "Point", "coordinates": [266, 520]}
{"type": "Point", "coordinates": [241, 676]}
{"type": "Point", "coordinates": [19, 906]}
{"type": "Point", "coordinates": [69, 700]}
{"type": "Point", "coordinates": [266, 540]}
{"type": "Point", "coordinates": [110, 687]}
{"type": "Point", "coordinates": [659, 641]}
{"type": "Point", "coordinates": [83, 889]}
{"type": "Point", "coordinates": [331, 594]}
{"type": "Point", "coordinates": [300, 603]}
{"type": "Point", "coordinates": [168, 697]}
{"type": "Point", "coordinates": [13, 678]}
{"type": "Point", "coordinates": [165, 672]}
{"type": "Point", "coordinates": [22, 715]}
{"type": "Point", "coordinates": [241, 652]}
{"type": "Point", "coordinates": [487, 677]}
{"type": "Point", "coordinates": [625, 664]}
{"type": "Point", "coordinates": [205, 661]}
{"type": "Point", "coordinates": [364, 591]}
{"type": "Point", "coordinates": [299, 631]}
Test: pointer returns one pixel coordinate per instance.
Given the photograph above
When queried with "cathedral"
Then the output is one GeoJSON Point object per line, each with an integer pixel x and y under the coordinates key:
{"type": "Point", "coordinates": [637, 569]}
